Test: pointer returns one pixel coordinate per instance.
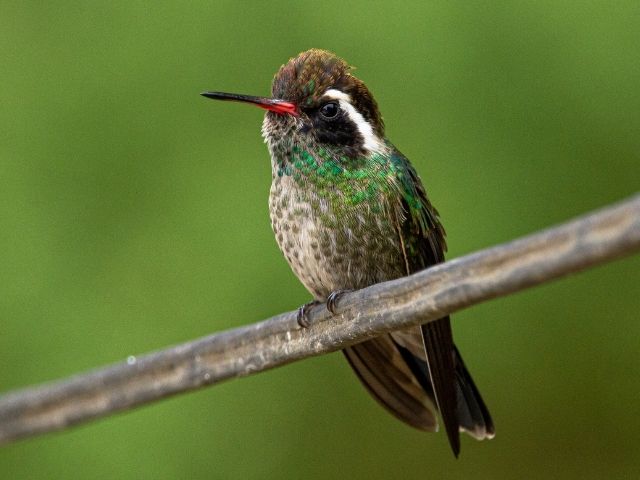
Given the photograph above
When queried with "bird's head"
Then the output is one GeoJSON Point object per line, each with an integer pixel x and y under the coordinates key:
{"type": "Point", "coordinates": [316, 100]}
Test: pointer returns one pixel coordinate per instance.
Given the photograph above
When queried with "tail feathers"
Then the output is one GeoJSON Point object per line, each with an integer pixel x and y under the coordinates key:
{"type": "Point", "coordinates": [438, 349]}
{"type": "Point", "coordinates": [473, 415]}
{"type": "Point", "coordinates": [400, 382]}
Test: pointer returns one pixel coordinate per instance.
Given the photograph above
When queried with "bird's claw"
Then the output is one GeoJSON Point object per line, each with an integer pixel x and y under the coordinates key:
{"type": "Point", "coordinates": [333, 298]}
{"type": "Point", "coordinates": [301, 315]}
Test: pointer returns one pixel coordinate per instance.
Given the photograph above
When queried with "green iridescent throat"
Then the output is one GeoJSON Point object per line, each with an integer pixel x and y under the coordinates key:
{"type": "Point", "coordinates": [367, 179]}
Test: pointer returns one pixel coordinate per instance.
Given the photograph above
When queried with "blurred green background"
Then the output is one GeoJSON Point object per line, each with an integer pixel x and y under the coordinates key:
{"type": "Point", "coordinates": [133, 215]}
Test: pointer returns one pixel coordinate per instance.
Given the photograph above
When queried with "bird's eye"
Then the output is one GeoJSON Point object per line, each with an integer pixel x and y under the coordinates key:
{"type": "Point", "coordinates": [329, 110]}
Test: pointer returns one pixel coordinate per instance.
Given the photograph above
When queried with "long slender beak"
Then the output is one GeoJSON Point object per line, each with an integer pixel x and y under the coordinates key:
{"type": "Point", "coordinates": [271, 104]}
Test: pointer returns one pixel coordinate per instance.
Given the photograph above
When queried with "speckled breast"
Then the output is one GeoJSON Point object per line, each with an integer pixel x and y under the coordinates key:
{"type": "Point", "coordinates": [331, 243]}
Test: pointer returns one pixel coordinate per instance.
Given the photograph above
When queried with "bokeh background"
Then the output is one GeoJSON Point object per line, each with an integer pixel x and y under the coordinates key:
{"type": "Point", "coordinates": [133, 215]}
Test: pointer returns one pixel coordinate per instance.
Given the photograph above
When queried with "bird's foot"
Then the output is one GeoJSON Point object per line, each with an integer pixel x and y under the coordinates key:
{"type": "Point", "coordinates": [333, 298]}
{"type": "Point", "coordinates": [301, 316]}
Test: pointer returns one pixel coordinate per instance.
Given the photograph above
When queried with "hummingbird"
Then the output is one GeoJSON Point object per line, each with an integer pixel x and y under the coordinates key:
{"type": "Point", "coordinates": [349, 210]}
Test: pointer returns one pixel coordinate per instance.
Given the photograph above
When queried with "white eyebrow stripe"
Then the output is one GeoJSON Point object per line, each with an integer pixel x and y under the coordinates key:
{"type": "Point", "coordinates": [371, 141]}
{"type": "Point", "coordinates": [334, 94]}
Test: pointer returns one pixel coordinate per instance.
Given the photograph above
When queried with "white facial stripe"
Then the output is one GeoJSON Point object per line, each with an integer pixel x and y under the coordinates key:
{"type": "Point", "coordinates": [333, 94]}
{"type": "Point", "coordinates": [371, 141]}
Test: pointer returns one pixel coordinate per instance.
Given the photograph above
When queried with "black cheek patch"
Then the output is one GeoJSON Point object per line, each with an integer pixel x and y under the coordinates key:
{"type": "Point", "coordinates": [340, 132]}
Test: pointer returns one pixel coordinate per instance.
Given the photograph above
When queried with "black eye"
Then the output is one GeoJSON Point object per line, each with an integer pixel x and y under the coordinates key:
{"type": "Point", "coordinates": [329, 110]}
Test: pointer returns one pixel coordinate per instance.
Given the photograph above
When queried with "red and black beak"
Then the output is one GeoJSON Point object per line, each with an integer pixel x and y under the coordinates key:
{"type": "Point", "coordinates": [271, 104]}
